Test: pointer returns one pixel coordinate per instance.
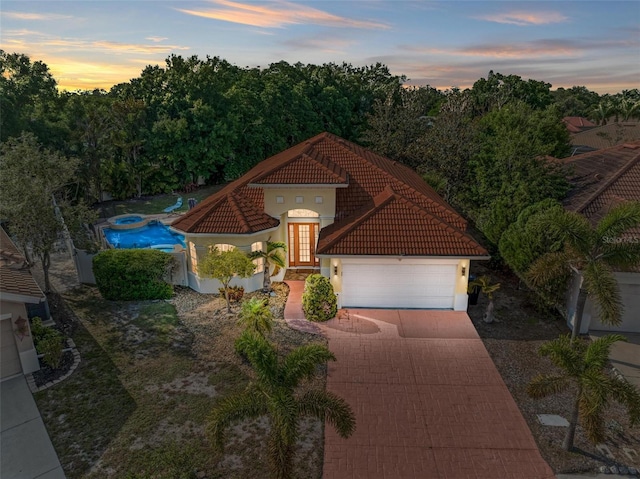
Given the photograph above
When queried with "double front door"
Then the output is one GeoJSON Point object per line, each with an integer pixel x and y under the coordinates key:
{"type": "Point", "coordinates": [303, 238]}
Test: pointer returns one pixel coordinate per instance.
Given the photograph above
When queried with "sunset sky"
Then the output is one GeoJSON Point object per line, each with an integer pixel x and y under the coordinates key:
{"type": "Point", "coordinates": [98, 43]}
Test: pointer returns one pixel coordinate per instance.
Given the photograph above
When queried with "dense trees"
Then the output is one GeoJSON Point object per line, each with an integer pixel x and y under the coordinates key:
{"type": "Point", "coordinates": [195, 120]}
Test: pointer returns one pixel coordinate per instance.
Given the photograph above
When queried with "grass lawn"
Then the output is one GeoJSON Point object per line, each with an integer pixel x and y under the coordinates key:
{"type": "Point", "coordinates": [149, 205]}
{"type": "Point", "coordinates": [150, 373]}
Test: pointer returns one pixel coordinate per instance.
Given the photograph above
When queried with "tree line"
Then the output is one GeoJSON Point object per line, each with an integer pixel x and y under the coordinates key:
{"type": "Point", "coordinates": [193, 120]}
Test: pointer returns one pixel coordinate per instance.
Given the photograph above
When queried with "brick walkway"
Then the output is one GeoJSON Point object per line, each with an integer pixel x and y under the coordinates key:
{"type": "Point", "coordinates": [428, 400]}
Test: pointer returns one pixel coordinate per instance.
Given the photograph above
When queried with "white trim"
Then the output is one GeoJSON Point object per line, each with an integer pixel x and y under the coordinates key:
{"type": "Point", "coordinates": [225, 235]}
{"type": "Point", "coordinates": [292, 186]}
{"type": "Point", "coordinates": [5, 316]}
{"type": "Point", "coordinates": [400, 258]}
{"type": "Point", "coordinates": [21, 298]}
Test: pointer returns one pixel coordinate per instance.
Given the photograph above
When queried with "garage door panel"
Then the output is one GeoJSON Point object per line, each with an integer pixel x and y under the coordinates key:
{"type": "Point", "coordinates": [9, 358]}
{"type": "Point", "coordinates": [398, 286]}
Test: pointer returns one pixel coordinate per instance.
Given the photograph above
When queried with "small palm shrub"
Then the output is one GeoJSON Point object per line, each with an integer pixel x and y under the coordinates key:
{"type": "Point", "coordinates": [319, 302]}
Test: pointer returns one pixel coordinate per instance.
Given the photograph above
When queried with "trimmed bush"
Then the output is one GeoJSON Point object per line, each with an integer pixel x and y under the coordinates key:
{"type": "Point", "coordinates": [132, 274]}
{"type": "Point", "coordinates": [48, 341]}
{"type": "Point", "coordinates": [319, 302]}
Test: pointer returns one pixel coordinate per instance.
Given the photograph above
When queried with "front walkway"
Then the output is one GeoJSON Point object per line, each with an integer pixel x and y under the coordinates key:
{"type": "Point", "coordinates": [428, 400]}
{"type": "Point", "coordinates": [26, 450]}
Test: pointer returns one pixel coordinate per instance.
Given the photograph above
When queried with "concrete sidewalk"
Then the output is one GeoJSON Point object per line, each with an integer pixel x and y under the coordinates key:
{"type": "Point", "coordinates": [26, 451]}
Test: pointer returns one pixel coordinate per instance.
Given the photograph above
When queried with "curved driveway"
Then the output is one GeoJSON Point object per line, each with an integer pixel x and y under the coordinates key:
{"type": "Point", "coordinates": [428, 400]}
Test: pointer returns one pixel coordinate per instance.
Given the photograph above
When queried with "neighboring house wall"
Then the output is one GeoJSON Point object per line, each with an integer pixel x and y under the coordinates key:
{"type": "Point", "coordinates": [15, 344]}
{"type": "Point", "coordinates": [629, 284]}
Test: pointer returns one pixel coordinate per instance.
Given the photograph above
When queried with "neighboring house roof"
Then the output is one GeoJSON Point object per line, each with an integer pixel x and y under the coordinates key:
{"type": "Point", "coordinates": [576, 124]}
{"type": "Point", "coordinates": [603, 177]}
{"type": "Point", "coordinates": [16, 282]}
{"type": "Point", "coordinates": [607, 135]}
{"type": "Point", "coordinates": [422, 223]}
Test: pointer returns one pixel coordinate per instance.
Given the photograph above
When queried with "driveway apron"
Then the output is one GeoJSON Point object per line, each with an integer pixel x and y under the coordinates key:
{"type": "Point", "coordinates": [428, 400]}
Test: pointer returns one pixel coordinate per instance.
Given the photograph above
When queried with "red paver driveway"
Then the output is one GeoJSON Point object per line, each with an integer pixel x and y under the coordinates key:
{"type": "Point", "coordinates": [428, 400]}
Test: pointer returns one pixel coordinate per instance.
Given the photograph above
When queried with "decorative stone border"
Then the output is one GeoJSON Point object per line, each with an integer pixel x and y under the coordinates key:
{"type": "Point", "coordinates": [76, 361]}
{"type": "Point", "coordinates": [144, 220]}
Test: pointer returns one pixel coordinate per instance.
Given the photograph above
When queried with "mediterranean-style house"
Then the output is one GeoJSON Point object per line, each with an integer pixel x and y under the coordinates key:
{"type": "Point", "coordinates": [18, 291]}
{"type": "Point", "coordinates": [373, 226]}
{"type": "Point", "coordinates": [602, 179]}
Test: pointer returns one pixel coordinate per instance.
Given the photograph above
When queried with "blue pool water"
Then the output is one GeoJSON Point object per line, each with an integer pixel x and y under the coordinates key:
{"type": "Point", "coordinates": [127, 220]}
{"type": "Point", "coordinates": [148, 236]}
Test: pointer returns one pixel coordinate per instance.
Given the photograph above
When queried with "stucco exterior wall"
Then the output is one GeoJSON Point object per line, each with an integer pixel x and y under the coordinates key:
{"type": "Point", "coordinates": [24, 345]}
{"type": "Point", "coordinates": [300, 198]}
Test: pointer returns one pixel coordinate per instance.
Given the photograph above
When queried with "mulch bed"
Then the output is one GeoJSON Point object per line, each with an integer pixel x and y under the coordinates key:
{"type": "Point", "coordinates": [46, 374]}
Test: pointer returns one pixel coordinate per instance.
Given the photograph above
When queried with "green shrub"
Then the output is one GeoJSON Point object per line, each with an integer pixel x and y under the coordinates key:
{"type": "Point", "coordinates": [132, 274]}
{"type": "Point", "coordinates": [48, 341]}
{"type": "Point", "coordinates": [318, 299]}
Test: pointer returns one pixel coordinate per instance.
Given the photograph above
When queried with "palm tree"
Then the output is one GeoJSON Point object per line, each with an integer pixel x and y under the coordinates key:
{"type": "Point", "coordinates": [272, 257]}
{"type": "Point", "coordinates": [274, 394]}
{"type": "Point", "coordinates": [256, 317]}
{"type": "Point", "coordinates": [583, 368]}
{"type": "Point", "coordinates": [487, 288]}
{"type": "Point", "coordinates": [602, 112]}
{"type": "Point", "coordinates": [593, 253]}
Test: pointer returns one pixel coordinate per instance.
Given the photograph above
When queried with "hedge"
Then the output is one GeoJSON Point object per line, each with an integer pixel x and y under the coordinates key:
{"type": "Point", "coordinates": [319, 302]}
{"type": "Point", "coordinates": [132, 274]}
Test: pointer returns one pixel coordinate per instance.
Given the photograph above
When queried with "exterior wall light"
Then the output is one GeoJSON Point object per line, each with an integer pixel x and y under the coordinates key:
{"type": "Point", "coordinates": [464, 271]}
{"type": "Point", "coordinates": [335, 270]}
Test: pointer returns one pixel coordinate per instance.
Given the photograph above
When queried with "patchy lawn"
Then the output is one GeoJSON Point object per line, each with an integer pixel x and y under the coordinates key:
{"type": "Point", "coordinates": [150, 373]}
{"type": "Point", "coordinates": [513, 345]}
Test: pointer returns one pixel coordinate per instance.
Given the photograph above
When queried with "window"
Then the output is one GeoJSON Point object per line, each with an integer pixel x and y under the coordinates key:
{"type": "Point", "coordinates": [224, 247]}
{"type": "Point", "coordinates": [193, 258]}
{"type": "Point", "coordinates": [301, 213]}
{"type": "Point", "coordinates": [280, 199]}
{"type": "Point", "coordinates": [299, 199]}
{"type": "Point", "coordinates": [259, 262]}
{"type": "Point", "coordinates": [319, 199]}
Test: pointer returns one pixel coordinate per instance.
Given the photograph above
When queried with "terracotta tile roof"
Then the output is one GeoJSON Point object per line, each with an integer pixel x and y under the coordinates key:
{"type": "Point", "coordinates": [600, 176]}
{"type": "Point", "coordinates": [607, 135]}
{"type": "Point", "coordinates": [310, 167]}
{"type": "Point", "coordinates": [603, 179]}
{"type": "Point", "coordinates": [576, 124]}
{"type": "Point", "coordinates": [394, 225]}
{"type": "Point", "coordinates": [14, 277]}
{"type": "Point", "coordinates": [238, 211]}
{"type": "Point", "coordinates": [328, 159]}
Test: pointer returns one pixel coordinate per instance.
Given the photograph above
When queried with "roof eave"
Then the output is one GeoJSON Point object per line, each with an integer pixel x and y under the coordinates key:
{"type": "Point", "coordinates": [405, 256]}
{"type": "Point", "coordinates": [297, 185]}
{"type": "Point", "coordinates": [225, 235]}
{"type": "Point", "coordinates": [21, 298]}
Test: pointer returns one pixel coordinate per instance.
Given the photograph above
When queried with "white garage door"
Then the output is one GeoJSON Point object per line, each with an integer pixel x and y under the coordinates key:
{"type": "Point", "coordinates": [631, 317]}
{"type": "Point", "coordinates": [398, 286]}
{"type": "Point", "coordinates": [9, 358]}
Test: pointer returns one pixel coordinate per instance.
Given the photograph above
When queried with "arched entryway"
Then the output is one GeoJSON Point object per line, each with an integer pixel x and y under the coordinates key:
{"type": "Point", "coordinates": [302, 237]}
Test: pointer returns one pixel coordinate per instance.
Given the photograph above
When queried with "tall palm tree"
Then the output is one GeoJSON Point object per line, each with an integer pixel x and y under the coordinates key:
{"type": "Point", "coordinates": [273, 256]}
{"type": "Point", "coordinates": [274, 394]}
{"type": "Point", "coordinates": [583, 369]}
{"type": "Point", "coordinates": [593, 253]}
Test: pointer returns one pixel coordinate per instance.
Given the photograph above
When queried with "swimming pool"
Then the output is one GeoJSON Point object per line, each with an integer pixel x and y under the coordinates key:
{"type": "Point", "coordinates": [152, 235]}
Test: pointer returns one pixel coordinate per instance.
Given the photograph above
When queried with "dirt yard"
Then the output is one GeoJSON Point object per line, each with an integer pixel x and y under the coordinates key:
{"type": "Point", "coordinates": [513, 344]}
